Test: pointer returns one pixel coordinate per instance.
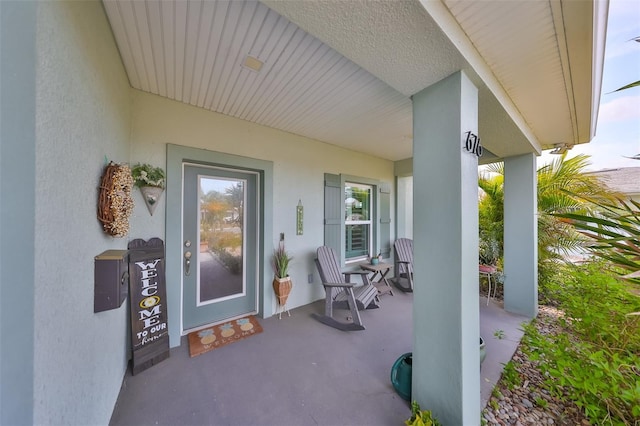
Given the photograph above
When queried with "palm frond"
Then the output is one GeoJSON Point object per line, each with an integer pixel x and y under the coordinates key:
{"type": "Point", "coordinates": [497, 168]}
{"type": "Point", "coordinates": [628, 86]}
{"type": "Point", "coordinates": [614, 231]}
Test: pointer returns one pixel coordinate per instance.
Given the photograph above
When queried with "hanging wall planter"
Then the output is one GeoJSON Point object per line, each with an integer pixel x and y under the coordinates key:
{"type": "Point", "coordinates": [151, 182]}
{"type": "Point", "coordinates": [151, 195]}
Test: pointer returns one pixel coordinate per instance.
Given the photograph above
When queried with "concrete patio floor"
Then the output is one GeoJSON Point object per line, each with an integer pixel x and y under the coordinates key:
{"type": "Point", "coordinates": [300, 372]}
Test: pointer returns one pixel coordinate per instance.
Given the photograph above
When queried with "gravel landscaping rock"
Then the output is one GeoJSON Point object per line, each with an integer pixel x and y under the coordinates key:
{"type": "Point", "coordinates": [530, 404]}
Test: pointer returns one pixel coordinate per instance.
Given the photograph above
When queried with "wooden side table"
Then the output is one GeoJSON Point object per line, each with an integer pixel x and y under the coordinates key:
{"type": "Point", "coordinates": [378, 279]}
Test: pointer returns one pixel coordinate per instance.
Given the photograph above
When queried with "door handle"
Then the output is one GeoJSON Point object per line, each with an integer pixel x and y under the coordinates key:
{"type": "Point", "coordinates": [187, 263]}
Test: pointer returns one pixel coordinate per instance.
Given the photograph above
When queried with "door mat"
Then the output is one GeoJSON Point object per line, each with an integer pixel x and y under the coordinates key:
{"type": "Point", "coordinates": [211, 338]}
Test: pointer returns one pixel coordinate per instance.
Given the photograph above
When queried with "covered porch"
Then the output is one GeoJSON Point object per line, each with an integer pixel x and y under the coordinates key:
{"type": "Point", "coordinates": [299, 371]}
{"type": "Point", "coordinates": [306, 97]}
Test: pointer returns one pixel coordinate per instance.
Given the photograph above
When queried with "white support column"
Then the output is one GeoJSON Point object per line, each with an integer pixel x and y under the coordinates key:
{"type": "Point", "coordinates": [521, 235]}
{"type": "Point", "coordinates": [404, 206]}
{"type": "Point", "coordinates": [446, 360]}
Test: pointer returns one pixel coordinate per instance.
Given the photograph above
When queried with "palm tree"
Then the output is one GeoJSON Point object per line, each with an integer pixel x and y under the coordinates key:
{"type": "Point", "coordinates": [562, 186]}
{"type": "Point", "coordinates": [614, 233]}
{"type": "Point", "coordinates": [491, 214]}
{"type": "Point", "coordinates": [235, 197]}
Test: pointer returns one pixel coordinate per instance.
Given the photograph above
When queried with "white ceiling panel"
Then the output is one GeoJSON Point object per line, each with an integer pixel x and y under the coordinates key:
{"type": "Point", "coordinates": [193, 52]}
{"type": "Point", "coordinates": [342, 71]}
{"type": "Point", "coordinates": [527, 62]}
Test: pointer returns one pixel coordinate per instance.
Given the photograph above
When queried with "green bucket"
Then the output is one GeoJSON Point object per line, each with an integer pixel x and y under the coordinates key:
{"type": "Point", "coordinates": [401, 376]}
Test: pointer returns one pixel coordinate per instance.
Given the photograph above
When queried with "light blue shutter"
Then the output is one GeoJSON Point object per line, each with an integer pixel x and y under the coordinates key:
{"type": "Point", "coordinates": [333, 212]}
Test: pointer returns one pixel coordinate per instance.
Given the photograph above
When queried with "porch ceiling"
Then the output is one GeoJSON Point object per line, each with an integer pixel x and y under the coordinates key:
{"type": "Point", "coordinates": [343, 71]}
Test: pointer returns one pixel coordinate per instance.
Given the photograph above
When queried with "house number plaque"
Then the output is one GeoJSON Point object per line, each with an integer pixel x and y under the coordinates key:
{"type": "Point", "coordinates": [472, 144]}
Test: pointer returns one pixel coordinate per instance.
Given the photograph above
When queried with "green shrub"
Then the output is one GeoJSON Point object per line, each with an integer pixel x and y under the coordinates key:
{"type": "Point", "coordinates": [221, 240]}
{"type": "Point", "coordinates": [551, 276]}
{"type": "Point", "coordinates": [231, 262]}
{"type": "Point", "coordinates": [511, 376]}
{"type": "Point", "coordinates": [595, 360]}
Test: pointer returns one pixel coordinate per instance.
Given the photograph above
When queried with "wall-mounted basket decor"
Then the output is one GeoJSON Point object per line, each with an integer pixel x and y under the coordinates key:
{"type": "Point", "coordinates": [150, 180]}
{"type": "Point", "coordinates": [114, 201]}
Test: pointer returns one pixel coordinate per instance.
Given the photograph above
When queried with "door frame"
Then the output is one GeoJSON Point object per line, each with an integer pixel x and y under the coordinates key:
{"type": "Point", "coordinates": [176, 156]}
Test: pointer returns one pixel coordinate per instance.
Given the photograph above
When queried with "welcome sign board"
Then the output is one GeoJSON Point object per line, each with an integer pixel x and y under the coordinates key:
{"type": "Point", "coordinates": [147, 290]}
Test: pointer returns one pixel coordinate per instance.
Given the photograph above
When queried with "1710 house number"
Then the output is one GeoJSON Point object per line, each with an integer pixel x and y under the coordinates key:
{"type": "Point", "coordinates": [472, 144]}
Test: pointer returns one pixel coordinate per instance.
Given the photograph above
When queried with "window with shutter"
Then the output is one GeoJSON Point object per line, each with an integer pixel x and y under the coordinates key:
{"type": "Point", "coordinates": [357, 219]}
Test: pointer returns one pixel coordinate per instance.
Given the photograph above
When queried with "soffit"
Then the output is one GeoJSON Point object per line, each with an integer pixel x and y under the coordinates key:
{"type": "Point", "coordinates": [541, 52]}
{"type": "Point", "coordinates": [532, 60]}
{"type": "Point", "coordinates": [342, 71]}
{"type": "Point", "coordinates": [193, 52]}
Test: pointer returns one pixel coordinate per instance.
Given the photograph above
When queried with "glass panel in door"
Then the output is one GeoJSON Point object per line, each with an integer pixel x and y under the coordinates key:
{"type": "Point", "coordinates": [221, 239]}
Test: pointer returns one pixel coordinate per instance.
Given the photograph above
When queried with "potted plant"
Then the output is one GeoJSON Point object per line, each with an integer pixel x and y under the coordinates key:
{"type": "Point", "coordinates": [483, 351]}
{"type": "Point", "coordinates": [150, 180]}
{"type": "Point", "coordinates": [281, 282]}
{"type": "Point", "coordinates": [489, 251]}
{"type": "Point", "coordinates": [374, 260]}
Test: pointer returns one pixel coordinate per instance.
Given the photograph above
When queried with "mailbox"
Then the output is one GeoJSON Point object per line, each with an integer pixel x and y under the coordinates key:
{"type": "Point", "coordinates": [111, 278]}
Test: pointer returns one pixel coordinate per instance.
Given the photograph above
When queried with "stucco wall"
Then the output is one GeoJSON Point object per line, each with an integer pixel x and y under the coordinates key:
{"type": "Point", "coordinates": [86, 112]}
{"type": "Point", "coordinates": [17, 201]}
{"type": "Point", "coordinates": [299, 167]}
{"type": "Point", "coordinates": [82, 116]}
